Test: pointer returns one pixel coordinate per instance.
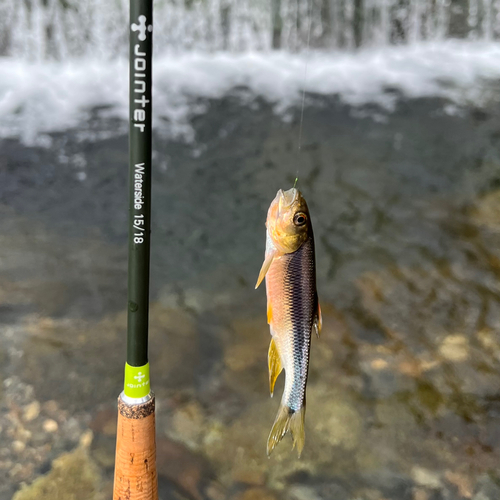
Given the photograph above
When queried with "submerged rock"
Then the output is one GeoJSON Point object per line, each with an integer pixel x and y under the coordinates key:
{"type": "Point", "coordinates": [188, 424]}
{"type": "Point", "coordinates": [425, 477]}
{"type": "Point", "coordinates": [462, 482]}
{"type": "Point", "coordinates": [336, 420]}
{"type": "Point", "coordinates": [300, 492]}
{"type": "Point", "coordinates": [73, 476]}
{"type": "Point", "coordinates": [256, 494]}
{"type": "Point", "coordinates": [31, 411]}
{"type": "Point", "coordinates": [487, 488]}
{"type": "Point", "coordinates": [50, 425]}
{"type": "Point", "coordinates": [455, 348]}
{"type": "Point", "coordinates": [186, 470]}
{"type": "Point", "coordinates": [486, 212]}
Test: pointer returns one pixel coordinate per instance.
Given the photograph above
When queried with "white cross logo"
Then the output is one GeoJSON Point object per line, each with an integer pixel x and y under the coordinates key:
{"type": "Point", "coordinates": [141, 28]}
{"type": "Point", "coordinates": [139, 377]}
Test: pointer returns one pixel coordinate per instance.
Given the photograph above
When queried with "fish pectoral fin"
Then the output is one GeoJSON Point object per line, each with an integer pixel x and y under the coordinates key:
{"type": "Point", "coordinates": [288, 420]}
{"type": "Point", "coordinates": [275, 366]}
{"type": "Point", "coordinates": [318, 322]}
{"type": "Point", "coordinates": [265, 267]}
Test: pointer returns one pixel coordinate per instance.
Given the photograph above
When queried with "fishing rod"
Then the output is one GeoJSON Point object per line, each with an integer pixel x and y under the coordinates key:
{"type": "Point", "coordinates": [135, 461]}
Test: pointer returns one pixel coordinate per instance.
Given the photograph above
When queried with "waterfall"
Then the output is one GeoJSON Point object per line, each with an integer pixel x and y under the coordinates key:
{"type": "Point", "coordinates": [60, 29]}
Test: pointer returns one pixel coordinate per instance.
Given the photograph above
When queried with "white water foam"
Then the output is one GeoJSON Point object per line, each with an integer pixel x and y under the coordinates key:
{"type": "Point", "coordinates": [37, 98]}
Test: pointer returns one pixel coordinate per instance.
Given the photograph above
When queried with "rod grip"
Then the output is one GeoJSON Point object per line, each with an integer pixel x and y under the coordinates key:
{"type": "Point", "coordinates": [135, 462]}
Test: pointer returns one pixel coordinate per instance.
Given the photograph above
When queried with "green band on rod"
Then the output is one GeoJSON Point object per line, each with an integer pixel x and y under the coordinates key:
{"type": "Point", "coordinates": [137, 383]}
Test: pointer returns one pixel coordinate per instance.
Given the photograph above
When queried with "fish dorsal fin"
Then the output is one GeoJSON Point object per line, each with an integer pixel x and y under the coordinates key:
{"type": "Point", "coordinates": [265, 266]}
{"type": "Point", "coordinates": [318, 322]}
{"type": "Point", "coordinates": [275, 366]}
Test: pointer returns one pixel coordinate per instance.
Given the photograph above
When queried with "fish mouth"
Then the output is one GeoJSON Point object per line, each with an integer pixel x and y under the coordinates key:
{"type": "Point", "coordinates": [287, 198]}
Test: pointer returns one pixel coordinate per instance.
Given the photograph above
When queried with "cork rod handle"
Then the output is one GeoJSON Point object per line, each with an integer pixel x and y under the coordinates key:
{"type": "Point", "coordinates": [135, 463]}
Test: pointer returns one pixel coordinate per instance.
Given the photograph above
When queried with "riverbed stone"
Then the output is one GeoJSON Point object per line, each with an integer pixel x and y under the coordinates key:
{"type": "Point", "coordinates": [490, 340]}
{"type": "Point", "coordinates": [188, 424]}
{"type": "Point", "coordinates": [486, 211]}
{"type": "Point", "coordinates": [337, 420]}
{"type": "Point", "coordinates": [181, 466]}
{"type": "Point", "coordinates": [248, 344]}
{"type": "Point", "coordinates": [455, 348]}
{"type": "Point", "coordinates": [256, 494]}
{"type": "Point", "coordinates": [31, 411]}
{"type": "Point", "coordinates": [73, 476]}
{"type": "Point", "coordinates": [50, 425]}
{"type": "Point", "coordinates": [488, 487]}
{"type": "Point", "coordinates": [105, 421]}
{"type": "Point", "coordinates": [420, 494]}
{"type": "Point", "coordinates": [300, 492]}
{"type": "Point", "coordinates": [462, 482]}
{"type": "Point", "coordinates": [426, 477]}
{"type": "Point", "coordinates": [18, 446]}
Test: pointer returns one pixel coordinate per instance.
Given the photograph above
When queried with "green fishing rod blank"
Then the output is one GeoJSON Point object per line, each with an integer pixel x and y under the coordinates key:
{"type": "Point", "coordinates": [135, 463]}
{"type": "Point", "coordinates": [139, 181]}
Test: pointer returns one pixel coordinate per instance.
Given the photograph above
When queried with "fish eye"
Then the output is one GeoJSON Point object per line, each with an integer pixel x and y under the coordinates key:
{"type": "Point", "coordinates": [299, 219]}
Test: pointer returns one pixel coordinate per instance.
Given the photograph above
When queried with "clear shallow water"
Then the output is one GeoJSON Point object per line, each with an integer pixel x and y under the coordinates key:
{"type": "Point", "coordinates": [403, 391]}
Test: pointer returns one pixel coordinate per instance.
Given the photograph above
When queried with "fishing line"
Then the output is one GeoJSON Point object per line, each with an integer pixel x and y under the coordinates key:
{"type": "Point", "coordinates": [309, 15]}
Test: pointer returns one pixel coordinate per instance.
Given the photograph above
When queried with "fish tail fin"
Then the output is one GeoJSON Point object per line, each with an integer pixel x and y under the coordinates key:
{"type": "Point", "coordinates": [297, 429]}
{"type": "Point", "coordinates": [288, 420]}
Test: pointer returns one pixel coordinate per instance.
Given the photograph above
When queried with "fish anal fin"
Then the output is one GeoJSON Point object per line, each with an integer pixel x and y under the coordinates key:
{"type": "Point", "coordinates": [288, 420]}
{"type": "Point", "coordinates": [318, 322]}
{"type": "Point", "coordinates": [265, 267]}
{"type": "Point", "coordinates": [275, 366]}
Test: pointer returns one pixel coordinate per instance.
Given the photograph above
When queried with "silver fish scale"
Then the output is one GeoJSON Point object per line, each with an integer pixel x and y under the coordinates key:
{"type": "Point", "coordinates": [300, 286]}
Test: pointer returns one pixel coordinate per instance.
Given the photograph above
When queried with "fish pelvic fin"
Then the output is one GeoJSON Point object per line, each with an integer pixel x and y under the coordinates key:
{"type": "Point", "coordinates": [288, 420]}
{"type": "Point", "coordinates": [275, 366]}
{"type": "Point", "coordinates": [318, 322]}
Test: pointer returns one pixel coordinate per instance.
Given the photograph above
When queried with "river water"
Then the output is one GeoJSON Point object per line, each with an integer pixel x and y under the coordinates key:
{"type": "Point", "coordinates": [403, 399]}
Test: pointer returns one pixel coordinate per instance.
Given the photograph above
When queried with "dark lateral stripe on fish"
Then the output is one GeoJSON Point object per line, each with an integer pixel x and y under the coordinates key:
{"type": "Point", "coordinates": [300, 286]}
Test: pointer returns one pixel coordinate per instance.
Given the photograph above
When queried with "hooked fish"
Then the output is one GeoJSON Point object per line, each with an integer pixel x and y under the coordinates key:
{"type": "Point", "coordinates": [293, 310]}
